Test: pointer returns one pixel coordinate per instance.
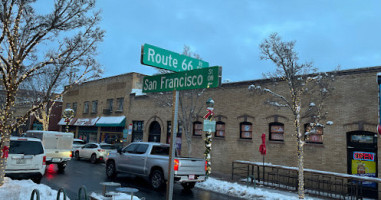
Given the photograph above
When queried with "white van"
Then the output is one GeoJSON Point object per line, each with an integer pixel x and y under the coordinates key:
{"type": "Point", "coordinates": [58, 146]}
{"type": "Point", "coordinates": [26, 159]}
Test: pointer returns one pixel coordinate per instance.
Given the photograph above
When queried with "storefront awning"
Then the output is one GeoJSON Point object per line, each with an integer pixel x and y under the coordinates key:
{"type": "Point", "coordinates": [63, 123]}
{"type": "Point", "coordinates": [86, 121]}
{"type": "Point", "coordinates": [117, 121]}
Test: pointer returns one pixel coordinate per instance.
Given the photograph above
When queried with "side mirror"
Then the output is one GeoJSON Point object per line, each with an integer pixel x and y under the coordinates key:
{"type": "Point", "coordinates": [119, 150]}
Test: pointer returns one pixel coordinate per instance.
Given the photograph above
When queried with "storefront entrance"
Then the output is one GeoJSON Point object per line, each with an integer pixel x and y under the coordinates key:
{"type": "Point", "coordinates": [362, 158]}
{"type": "Point", "coordinates": [154, 132]}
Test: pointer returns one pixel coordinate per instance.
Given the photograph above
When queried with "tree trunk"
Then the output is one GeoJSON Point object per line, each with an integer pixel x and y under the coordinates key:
{"type": "Point", "coordinates": [5, 140]}
{"type": "Point", "coordinates": [300, 153]}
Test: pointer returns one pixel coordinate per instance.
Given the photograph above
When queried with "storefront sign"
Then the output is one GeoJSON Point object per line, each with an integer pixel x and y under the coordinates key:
{"type": "Point", "coordinates": [366, 156]}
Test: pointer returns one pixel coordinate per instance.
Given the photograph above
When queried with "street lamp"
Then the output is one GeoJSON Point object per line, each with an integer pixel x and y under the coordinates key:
{"type": "Point", "coordinates": [68, 114]}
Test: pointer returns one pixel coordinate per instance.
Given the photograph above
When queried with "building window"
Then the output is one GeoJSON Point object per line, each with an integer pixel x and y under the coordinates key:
{"type": "Point", "coordinates": [109, 104]}
{"type": "Point", "coordinates": [276, 131]}
{"type": "Point", "coordinates": [68, 105]}
{"type": "Point", "coordinates": [313, 134]}
{"type": "Point", "coordinates": [220, 129]}
{"type": "Point", "coordinates": [75, 107]}
{"type": "Point", "coordinates": [94, 107]}
{"type": "Point", "coordinates": [197, 128]}
{"type": "Point", "coordinates": [246, 130]}
{"type": "Point", "coordinates": [86, 107]}
{"type": "Point", "coordinates": [120, 104]}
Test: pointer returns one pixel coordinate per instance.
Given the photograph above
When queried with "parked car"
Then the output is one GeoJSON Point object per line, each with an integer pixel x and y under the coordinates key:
{"type": "Point", "coordinates": [58, 146]}
{"type": "Point", "coordinates": [26, 159]}
{"type": "Point", "coordinates": [150, 160]}
{"type": "Point", "coordinates": [77, 143]}
{"type": "Point", "coordinates": [94, 151]}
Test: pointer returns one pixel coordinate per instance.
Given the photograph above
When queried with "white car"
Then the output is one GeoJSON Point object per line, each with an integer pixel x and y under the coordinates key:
{"type": "Point", "coordinates": [94, 151]}
{"type": "Point", "coordinates": [77, 143]}
{"type": "Point", "coordinates": [26, 159]}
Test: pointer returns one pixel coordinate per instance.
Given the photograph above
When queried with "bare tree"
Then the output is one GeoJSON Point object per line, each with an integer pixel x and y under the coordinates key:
{"type": "Point", "coordinates": [32, 44]}
{"type": "Point", "coordinates": [307, 91]}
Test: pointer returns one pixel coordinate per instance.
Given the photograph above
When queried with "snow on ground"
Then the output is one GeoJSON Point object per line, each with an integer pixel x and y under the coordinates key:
{"type": "Point", "coordinates": [22, 189]}
{"type": "Point", "coordinates": [246, 192]}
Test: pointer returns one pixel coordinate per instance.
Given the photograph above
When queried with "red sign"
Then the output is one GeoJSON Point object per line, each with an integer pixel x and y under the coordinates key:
{"type": "Point", "coordinates": [379, 129]}
{"type": "Point", "coordinates": [363, 156]}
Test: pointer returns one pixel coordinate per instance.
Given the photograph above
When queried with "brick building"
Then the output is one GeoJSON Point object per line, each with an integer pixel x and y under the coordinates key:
{"type": "Point", "coordinates": [106, 108]}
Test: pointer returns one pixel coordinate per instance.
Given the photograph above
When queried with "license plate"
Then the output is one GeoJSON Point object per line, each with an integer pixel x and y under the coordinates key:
{"type": "Point", "coordinates": [191, 177]}
{"type": "Point", "coordinates": [56, 159]}
{"type": "Point", "coordinates": [20, 161]}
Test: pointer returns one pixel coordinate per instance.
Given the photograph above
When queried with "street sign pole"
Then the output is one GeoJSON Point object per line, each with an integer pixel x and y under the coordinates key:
{"type": "Point", "coordinates": [172, 147]}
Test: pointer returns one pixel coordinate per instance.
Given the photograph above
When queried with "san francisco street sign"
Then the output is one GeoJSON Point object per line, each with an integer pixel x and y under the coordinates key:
{"type": "Point", "coordinates": [164, 59]}
{"type": "Point", "coordinates": [194, 79]}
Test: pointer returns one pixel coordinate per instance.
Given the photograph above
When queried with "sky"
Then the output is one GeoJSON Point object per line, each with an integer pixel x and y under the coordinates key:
{"type": "Point", "coordinates": [228, 33]}
{"type": "Point", "coordinates": [22, 189]}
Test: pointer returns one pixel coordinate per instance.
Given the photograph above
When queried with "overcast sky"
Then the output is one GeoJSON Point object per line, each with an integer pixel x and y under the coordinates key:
{"type": "Point", "coordinates": [227, 33]}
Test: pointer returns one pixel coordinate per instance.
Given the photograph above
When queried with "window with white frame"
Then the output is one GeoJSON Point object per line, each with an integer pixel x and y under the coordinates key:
{"type": "Point", "coordinates": [197, 128]}
{"type": "Point", "coordinates": [94, 106]}
{"type": "Point", "coordinates": [246, 130]}
{"type": "Point", "coordinates": [276, 131]}
{"type": "Point", "coordinates": [220, 129]}
{"type": "Point", "coordinates": [86, 107]}
{"type": "Point", "coordinates": [313, 134]}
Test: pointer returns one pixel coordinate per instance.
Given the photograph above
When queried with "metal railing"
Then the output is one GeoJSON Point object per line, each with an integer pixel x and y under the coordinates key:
{"type": "Point", "coordinates": [319, 183]}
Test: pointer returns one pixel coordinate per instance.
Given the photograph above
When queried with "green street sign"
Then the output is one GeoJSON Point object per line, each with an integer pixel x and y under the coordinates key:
{"type": "Point", "coordinates": [194, 79]}
{"type": "Point", "coordinates": [164, 59]}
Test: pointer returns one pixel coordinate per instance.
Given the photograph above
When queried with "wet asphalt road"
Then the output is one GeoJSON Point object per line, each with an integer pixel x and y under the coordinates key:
{"type": "Point", "coordinates": [78, 173]}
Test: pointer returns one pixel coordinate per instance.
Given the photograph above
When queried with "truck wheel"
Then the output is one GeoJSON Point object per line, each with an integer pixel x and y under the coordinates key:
{"type": "Point", "coordinates": [76, 155]}
{"type": "Point", "coordinates": [188, 185]}
{"type": "Point", "coordinates": [93, 158]}
{"type": "Point", "coordinates": [61, 166]}
{"type": "Point", "coordinates": [157, 179]}
{"type": "Point", "coordinates": [110, 170]}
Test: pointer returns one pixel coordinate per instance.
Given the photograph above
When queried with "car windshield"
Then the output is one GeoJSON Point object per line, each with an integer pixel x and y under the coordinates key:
{"type": "Point", "coordinates": [78, 142]}
{"type": "Point", "coordinates": [26, 147]}
{"type": "Point", "coordinates": [108, 147]}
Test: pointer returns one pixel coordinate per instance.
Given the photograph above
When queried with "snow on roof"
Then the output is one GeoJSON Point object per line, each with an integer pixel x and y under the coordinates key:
{"type": "Point", "coordinates": [111, 120]}
{"type": "Point", "coordinates": [63, 123]}
{"type": "Point", "coordinates": [86, 121]}
{"type": "Point", "coordinates": [138, 92]}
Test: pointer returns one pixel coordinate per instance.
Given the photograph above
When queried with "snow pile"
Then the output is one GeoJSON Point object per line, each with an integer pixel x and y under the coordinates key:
{"type": "Point", "coordinates": [242, 191]}
{"type": "Point", "coordinates": [22, 189]}
{"type": "Point", "coordinates": [118, 196]}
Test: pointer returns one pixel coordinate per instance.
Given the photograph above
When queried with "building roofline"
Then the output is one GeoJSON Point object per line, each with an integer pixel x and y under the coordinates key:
{"type": "Point", "coordinates": [337, 73]}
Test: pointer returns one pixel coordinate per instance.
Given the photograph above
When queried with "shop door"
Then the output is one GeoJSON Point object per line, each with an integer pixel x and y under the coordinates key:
{"type": "Point", "coordinates": [362, 159]}
{"type": "Point", "coordinates": [137, 131]}
{"type": "Point", "coordinates": [154, 132]}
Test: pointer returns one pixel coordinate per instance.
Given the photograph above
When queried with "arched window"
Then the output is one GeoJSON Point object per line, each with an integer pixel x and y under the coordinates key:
{"type": "Point", "coordinates": [220, 129]}
{"type": "Point", "coordinates": [246, 130]}
{"type": "Point", "coordinates": [313, 134]}
{"type": "Point", "coordinates": [276, 131]}
{"type": "Point", "coordinates": [197, 128]}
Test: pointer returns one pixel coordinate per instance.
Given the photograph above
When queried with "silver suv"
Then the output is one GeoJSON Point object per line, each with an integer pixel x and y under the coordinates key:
{"type": "Point", "coordinates": [26, 159]}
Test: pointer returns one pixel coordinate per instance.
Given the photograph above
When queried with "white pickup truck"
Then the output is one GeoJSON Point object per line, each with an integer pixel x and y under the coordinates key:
{"type": "Point", "coordinates": [150, 160]}
{"type": "Point", "coordinates": [58, 146]}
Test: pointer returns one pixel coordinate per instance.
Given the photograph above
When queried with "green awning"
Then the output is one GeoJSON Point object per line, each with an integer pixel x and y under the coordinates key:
{"type": "Point", "coordinates": [114, 121]}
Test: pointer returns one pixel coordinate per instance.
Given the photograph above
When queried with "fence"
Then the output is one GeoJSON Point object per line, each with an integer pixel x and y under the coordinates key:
{"type": "Point", "coordinates": [320, 183]}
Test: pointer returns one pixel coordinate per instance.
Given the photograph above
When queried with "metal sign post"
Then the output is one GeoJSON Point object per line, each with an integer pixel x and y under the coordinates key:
{"type": "Point", "coordinates": [172, 147]}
